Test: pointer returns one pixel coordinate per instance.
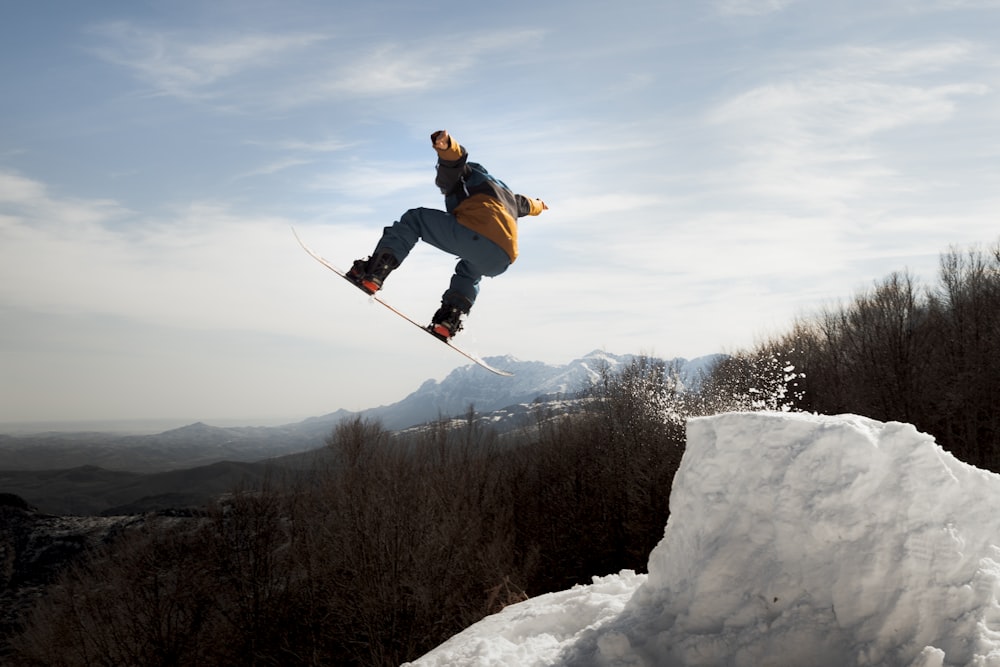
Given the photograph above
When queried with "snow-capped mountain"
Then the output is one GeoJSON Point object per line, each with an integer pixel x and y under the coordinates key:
{"type": "Point", "coordinates": [473, 386]}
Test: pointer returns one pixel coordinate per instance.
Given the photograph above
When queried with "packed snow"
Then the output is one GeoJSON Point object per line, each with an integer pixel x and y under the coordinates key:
{"type": "Point", "coordinates": [794, 541]}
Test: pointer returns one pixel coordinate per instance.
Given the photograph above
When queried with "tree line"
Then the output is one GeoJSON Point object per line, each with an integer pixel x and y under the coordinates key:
{"type": "Point", "coordinates": [928, 355]}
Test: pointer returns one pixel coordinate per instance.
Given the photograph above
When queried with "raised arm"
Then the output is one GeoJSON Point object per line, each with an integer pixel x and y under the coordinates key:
{"type": "Point", "coordinates": [451, 161]}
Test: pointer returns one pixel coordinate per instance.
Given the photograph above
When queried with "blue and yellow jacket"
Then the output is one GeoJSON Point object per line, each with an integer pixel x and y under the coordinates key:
{"type": "Point", "coordinates": [480, 201]}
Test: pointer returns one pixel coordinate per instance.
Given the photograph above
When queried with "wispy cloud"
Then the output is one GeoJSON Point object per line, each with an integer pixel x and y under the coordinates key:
{"type": "Point", "coordinates": [820, 134]}
{"type": "Point", "coordinates": [70, 255]}
{"type": "Point", "coordinates": [949, 5]}
{"type": "Point", "coordinates": [273, 167]}
{"type": "Point", "coordinates": [328, 145]}
{"type": "Point", "coordinates": [859, 91]}
{"type": "Point", "coordinates": [751, 7]}
{"type": "Point", "coordinates": [210, 68]}
{"type": "Point", "coordinates": [416, 66]}
{"type": "Point", "coordinates": [292, 153]}
{"type": "Point", "coordinates": [371, 179]}
{"type": "Point", "coordinates": [23, 200]}
{"type": "Point", "coordinates": [194, 67]}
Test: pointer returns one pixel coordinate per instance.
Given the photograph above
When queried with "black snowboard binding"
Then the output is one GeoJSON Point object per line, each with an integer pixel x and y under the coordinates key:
{"type": "Point", "coordinates": [371, 273]}
{"type": "Point", "coordinates": [447, 321]}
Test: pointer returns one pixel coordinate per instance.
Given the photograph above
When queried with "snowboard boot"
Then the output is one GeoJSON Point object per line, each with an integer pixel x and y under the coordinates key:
{"type": "Point", "coordinates": [447, 321]}
{"type": "Point", "coordinates": [371, 273]}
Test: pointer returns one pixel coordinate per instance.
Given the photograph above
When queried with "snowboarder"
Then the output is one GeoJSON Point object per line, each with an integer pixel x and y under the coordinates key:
{"type": "Point", "coordinates": [479, 225]}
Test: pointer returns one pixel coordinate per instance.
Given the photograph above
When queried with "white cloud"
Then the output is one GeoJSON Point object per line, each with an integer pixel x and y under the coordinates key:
{"type": "Point", "coordinates": [21, 196]}
{"type": "Point", "coordinates": [831, 108]}
{"type": "Point", "coordinates": [124, 313]}
{"type": "Point", "coordinates": [294, 153]}
{"type": "Point", "coordinates": [194, 66]}
{"type": "Point", "coordinates": [16, 189]}
{"type": "Point", "coordinates": [951, 5]}
{"type": "Point", "coordinates": [328, 145]}
{"type": "Point", "coordinates": [820, 137]}
{"type": "Point", "coordinates": [855, 60]}
{"type": "Point", "coordinates": [752, 7]}
{"type": "Point", "coordinates": [375, 179]}
{"type": "Point", "coordinates": [274, 167]}
{"type": "Point", "coordinates": [391, 68]}
{"type": "Point", "coordinates": [199, 67]}
{"type": "Point", "coordinates": [611, 204]}
{"type": "Point", "coordinates": [64, 255]}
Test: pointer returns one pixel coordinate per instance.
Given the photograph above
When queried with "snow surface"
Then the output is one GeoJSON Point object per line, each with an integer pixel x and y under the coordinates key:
{"type": "Point", "coordinates": [794, 540]}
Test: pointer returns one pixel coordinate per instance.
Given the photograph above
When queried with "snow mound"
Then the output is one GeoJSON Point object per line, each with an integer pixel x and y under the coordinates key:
{"type": "Point", "coordinates": [794, 540]}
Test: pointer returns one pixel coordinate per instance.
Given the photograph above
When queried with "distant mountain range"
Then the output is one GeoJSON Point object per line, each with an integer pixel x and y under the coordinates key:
{"type": "Point", "coordinates": [472, 386]}
{"type": "Point", "coordinates": [89, 472]}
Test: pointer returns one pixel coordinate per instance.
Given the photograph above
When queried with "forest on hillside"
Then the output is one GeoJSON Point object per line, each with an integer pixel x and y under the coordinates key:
{"type": "Point", "coordinates": [402, 541]}
{"type": "Point", "coordinates": [927, 355]}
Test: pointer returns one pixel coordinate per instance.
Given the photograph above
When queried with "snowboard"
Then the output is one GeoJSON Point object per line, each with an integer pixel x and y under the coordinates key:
{"type": "Point", "coordinates": [378, 299]}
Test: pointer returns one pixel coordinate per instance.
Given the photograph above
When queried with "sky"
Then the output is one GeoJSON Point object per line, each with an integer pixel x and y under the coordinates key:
{"type": "Point", "coordinates": [713, 171]}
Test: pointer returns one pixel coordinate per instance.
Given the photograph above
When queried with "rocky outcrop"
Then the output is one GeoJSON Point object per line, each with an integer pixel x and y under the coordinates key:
{"type": "Point", "coordinates": [36, 547]}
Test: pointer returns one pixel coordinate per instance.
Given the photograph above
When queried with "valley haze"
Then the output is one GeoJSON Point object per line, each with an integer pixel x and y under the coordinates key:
{"type": "Point", "coordinates": [140, 446]}
{"type": "Point", "coordinates": [98, 473]}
